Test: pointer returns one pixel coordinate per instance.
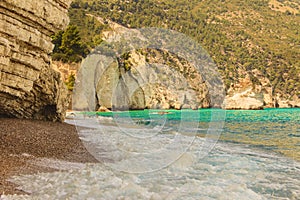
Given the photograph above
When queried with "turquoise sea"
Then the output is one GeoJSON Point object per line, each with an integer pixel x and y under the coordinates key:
{"type": "Point", "coordinates": [277, 130]}
{"type": "Point", "coordinates": [173, 154]}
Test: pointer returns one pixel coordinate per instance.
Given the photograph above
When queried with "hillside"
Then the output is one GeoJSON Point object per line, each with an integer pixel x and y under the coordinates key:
{"type": "Point", "coordinates": [255, 43]}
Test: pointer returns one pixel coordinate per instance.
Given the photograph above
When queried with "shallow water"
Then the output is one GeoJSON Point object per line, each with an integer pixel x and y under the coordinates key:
{"type": "Point", "coordinates": [180, 155]}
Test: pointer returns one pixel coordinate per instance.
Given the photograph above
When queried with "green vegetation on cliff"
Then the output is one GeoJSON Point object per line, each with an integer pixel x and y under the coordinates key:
{"type": "Point", "coordinates": [239, 35]}
{"type": "Point", "coordinates": [81, 36]}
{"type": "Point", "coordinates": [68, 45]}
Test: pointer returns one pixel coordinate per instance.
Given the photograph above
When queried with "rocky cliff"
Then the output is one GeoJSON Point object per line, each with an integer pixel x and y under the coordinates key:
{"type": "Point", "coordinates": [146, 69]}
{"type": "Point", "coordinates": [141, 79]}
{"type": "Point", "coordinates": [164, 89]}
{"type": "Point", "coordinates": [29, 87]}
{"type": "Point", "coordinates": [255, 44]}
{"type": "Point", "coordinates": [254, 90]}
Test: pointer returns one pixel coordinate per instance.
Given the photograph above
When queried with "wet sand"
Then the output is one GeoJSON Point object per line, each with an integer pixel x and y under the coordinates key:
{"type": "Point", "coordinates": [22, 141]}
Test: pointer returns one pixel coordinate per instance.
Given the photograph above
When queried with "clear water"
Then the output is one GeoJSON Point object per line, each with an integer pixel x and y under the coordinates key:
{"type": "Point", "coordinates": [180, 155]}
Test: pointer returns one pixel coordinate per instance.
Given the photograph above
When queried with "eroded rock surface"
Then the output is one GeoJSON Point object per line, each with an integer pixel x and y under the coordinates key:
{"type": "Point", "coordinates": [245, 95]}
{"type": "Point", "coordinates": [144, 80]}
{"type": "Point", "coordinates": [254, 90]}
{"type": "Point", "coordinates": [147, 69]}
{"type": "Point", "coordinates": [29, 87]}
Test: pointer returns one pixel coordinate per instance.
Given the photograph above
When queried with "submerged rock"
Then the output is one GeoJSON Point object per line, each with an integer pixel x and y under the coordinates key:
{"type": "Point", "coordinates": [29, 87]}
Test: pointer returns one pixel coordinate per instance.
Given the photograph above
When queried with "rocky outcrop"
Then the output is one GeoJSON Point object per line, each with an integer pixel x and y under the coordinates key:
{"type": "Point", "coordinates": [65, 69]}
{"type": "Point", "coordinates": [143, 79]}
{"type": "Point", "coordinates": [246, 95]}
{"type": "Point", "coordinates": [246, 100]}
{"type": "Point", "coordinates": [254, 90]}
{"type": "Point", "coordinates": [147, 69]}
{"type": "Point", "coordinates": [169, 84]}
{"type": "Point", "coordinates": [29, 87]}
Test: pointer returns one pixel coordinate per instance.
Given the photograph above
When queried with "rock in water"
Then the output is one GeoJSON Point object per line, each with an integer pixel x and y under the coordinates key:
{"type": "Point", "coordinates": [104, 82]}
{"type": "Point", "coordinates": [29, 87]}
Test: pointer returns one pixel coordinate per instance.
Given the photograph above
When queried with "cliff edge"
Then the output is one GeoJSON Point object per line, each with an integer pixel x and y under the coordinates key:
{"type": "Point", "coordinates": [29, 87]}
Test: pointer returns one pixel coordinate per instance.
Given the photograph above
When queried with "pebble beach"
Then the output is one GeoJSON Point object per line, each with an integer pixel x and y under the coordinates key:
{"type": "Point", "coordinates": [23, 142]}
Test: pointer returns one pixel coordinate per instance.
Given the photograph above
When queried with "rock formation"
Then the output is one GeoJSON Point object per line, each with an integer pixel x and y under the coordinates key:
{"type": "Point", "coordinates": [163, 75]}
{"type": "Point", "coordinates": [143, 78]}
{"type": "Point", "coordinates": [29, 87]}
{"type": "Point", "coordinates": [138, 84]}
{"type": "Point", "coordinates": [245, 95]}
{"type": "Point", "coordinates": [169, 83]}
{"type": "Point", "coordinates": [66, 69]}
{"type": "Point", "coordinates": [255, 91]}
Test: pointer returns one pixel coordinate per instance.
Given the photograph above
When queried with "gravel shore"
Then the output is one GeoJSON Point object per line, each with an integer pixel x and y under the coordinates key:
{"type": "Point", "coordinates": [22, 141]}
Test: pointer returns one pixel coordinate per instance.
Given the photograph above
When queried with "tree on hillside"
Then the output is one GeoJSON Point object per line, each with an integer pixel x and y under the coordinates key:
{"type": "Point", "coordinates": [68, 46]}
{"type": "Point", "coordinates": [70, 43]}
{"type": "Point", "coordinates": [56, 40]}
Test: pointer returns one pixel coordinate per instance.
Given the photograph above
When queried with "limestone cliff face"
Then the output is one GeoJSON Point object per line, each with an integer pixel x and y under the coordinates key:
{"type": "Point", "coordinates": [142, 80]}
{"type": "Point", "coordinates": [144, 77]}
{"type": "Point", "coordinates": [246, 95]}
{"type": "Point", "coordinates": [29, 87]}
{"type": "Point", "coordinates": [148, 78]}
{"type": "Point", "coordinates": [254, 91]}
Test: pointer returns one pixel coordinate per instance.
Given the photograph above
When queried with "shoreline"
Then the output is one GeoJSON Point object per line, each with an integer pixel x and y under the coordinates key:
{"type": "Point", "coordinates": [31, 146]}
{"type": "Point", "coordinates": [23, 142]}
